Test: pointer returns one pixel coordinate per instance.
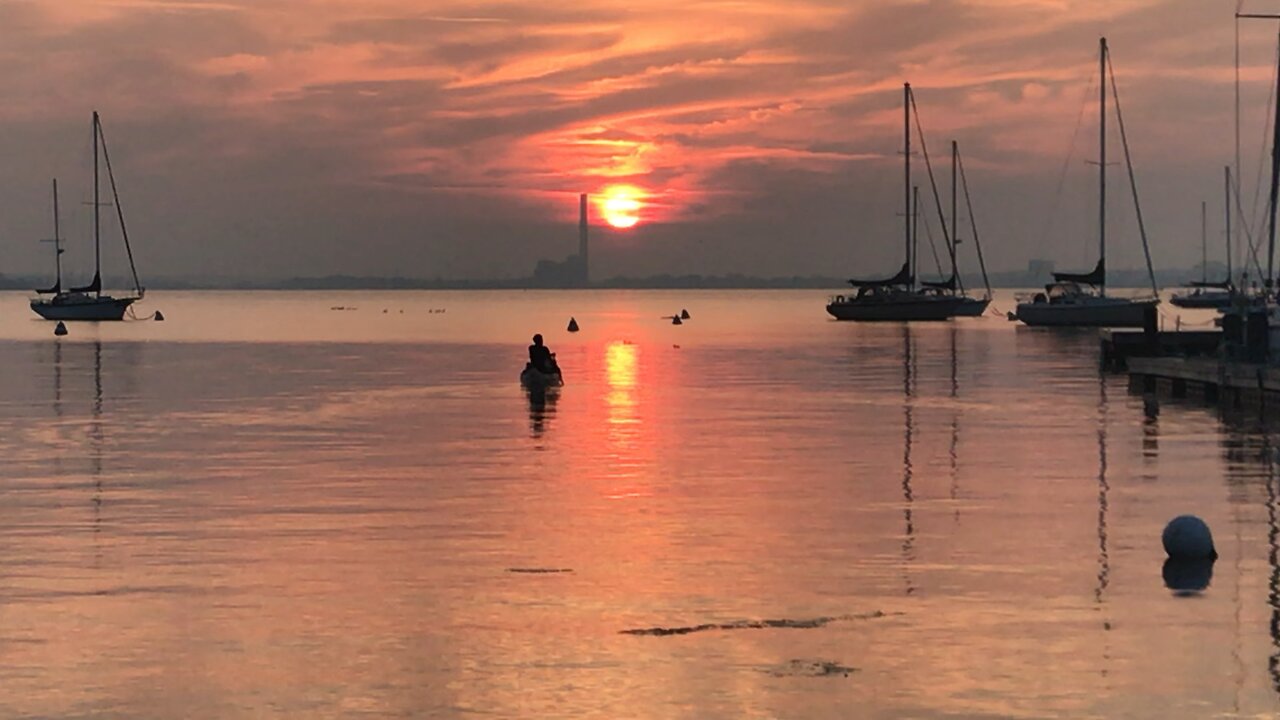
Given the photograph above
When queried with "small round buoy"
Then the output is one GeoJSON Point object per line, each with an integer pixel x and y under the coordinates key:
{"type": "Point", "coordinates": [675, 320]}
{"type": "Point", "coordinates": [1187, 537]}
{"type": "Point", "coordinates": [60, 329]}
{"type": "Point", "coordinates": [573, 325]}
{"type": "Point", "coordinates": [159, 316]}
{"type": "Point", "coordinates": [684, 314]}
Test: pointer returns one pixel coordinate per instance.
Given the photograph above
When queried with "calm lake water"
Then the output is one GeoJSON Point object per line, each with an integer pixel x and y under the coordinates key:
{"type": "Point", "coordinates": [326, 505]}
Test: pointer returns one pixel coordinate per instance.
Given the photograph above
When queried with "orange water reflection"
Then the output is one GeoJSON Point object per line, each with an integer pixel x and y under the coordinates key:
{"type": "Point", "coordinates": [333, 540]}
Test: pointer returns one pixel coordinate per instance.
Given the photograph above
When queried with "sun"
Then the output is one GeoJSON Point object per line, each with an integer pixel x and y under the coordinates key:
{"type": "Point", "coordinates": [621, 205]}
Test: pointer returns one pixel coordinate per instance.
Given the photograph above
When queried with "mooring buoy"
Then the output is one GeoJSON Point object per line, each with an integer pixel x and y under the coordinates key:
{"type": "Point", "coordinates": [675, 320]}
{"type": "Point", "coordinates": [60, 329]}
{"type": "Point", "coordinates": [159, 316]}
{"type": "Point", "coordinates": [573, 325]}
{"type": "Point", "coordinates": [684, 314]}
{"type": "Point", "coordinates": [1187, 537]}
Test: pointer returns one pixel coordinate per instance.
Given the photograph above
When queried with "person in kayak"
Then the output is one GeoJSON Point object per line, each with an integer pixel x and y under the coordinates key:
{"type": "Point", "coordinates": [541, 357]}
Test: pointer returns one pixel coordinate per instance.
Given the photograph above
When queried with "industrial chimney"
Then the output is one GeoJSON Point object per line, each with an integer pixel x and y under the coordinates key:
{"type": "Point", "coordinates": [582, 239]}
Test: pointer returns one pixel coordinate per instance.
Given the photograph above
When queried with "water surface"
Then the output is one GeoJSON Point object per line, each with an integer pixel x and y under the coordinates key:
{"type": "Point", "coordinates": [343, 505]}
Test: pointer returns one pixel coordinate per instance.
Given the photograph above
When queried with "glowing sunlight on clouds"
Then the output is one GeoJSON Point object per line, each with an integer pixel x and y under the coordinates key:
{"type": "Point", "coordinates": [707, 105]}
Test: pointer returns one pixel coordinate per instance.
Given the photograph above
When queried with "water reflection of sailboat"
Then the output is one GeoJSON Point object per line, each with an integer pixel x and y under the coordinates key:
{"type": "Point", "coordinates": [908, 471]}
{"type": "Point", "coordinates": [953, 451]}
{"type": "Point", "coordinates": [1273, 561]}
{"type": "Point", "coordinates": [96, 437]}
{"type": "Point", "coordinates": [1104, 490]}
{"type": "Point", "coordinates": [1104, 506]}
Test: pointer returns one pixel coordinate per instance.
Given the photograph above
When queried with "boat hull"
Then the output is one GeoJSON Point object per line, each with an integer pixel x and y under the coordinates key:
{"type": "Point", "coordinates": [917, 309]}
{"type": "Point", "coordinates": [1203, 301]}
{"type": "Point", "coordinates": [1108, 312]}
{"type": "Point", "coordinates": [537, 380]}
{"type": "Point", "coordinates": [972, 307]}
{"type": "Point", "coordinates": [98, 309]}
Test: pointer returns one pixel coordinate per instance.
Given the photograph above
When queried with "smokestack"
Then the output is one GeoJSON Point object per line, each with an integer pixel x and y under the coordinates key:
{"type": "Point", "coordinates": [582, 238]}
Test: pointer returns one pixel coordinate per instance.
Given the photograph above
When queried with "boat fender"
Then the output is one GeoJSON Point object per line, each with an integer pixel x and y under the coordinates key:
{"type": "Point", "coordinates": [60, 329]}
{"type": "Point", "coordinates": [573, 325]}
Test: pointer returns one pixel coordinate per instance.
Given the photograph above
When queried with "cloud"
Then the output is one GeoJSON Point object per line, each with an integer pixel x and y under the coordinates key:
{"type": "Point", "coordinates": [741, 118]}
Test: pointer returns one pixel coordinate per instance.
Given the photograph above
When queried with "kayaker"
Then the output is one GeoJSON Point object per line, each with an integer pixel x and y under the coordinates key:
{"type": "Point", "coordinates": [541, 357]}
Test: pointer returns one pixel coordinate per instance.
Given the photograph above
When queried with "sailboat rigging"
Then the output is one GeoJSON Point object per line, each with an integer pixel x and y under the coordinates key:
{"type": "Point", "coordinates": [1210, 294]}
{"type": "Point", "coordinates": [969, 306]}
{"type": "Point", "coordinates": [1080, 299]}
{"type": "Point", "coordinates": [89, 302]}
{"type": "Point", "coordinates": [897, 298]}
{"type": "Point", "coordinates": [57, 246]}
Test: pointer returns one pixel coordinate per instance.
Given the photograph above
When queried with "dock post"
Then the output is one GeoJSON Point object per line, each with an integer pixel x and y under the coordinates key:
{"type": "Point", "coordinates": [1151, 327]}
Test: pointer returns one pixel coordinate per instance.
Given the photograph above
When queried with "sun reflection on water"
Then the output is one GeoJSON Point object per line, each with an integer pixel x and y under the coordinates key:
{"type": "Point", "coordinates": [621, 360]}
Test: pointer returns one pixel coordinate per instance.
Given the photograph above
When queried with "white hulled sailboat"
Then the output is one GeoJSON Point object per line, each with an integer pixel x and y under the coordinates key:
{"type": "Point", "coordinates": [89, 302]}
{"type": "Point", "coordinates": [1080, 299]}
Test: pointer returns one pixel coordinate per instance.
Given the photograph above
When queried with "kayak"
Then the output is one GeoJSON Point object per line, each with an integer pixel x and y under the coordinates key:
{"type": "Point", "coordinates": [535, 379]}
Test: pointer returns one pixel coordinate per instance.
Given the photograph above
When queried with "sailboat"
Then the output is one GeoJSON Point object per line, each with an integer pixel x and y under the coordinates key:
{"type": "Point", "coordinates": [1080, 299]}
{"type": "Point", "coordinates": [89, 302]}
{"type": "Point", "coordinates": [969, 306]}
{"type": "Point", "coordinates": [1208, 294]}
{"type": "Point", "coordinates": [896, 298]}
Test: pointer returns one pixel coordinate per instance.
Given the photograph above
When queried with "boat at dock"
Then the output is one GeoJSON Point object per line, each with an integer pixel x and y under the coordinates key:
{"type": "Point", "coordinates": [1080, 299]}
{"type": "Point", "coordinates": [89, 302]}
{"type": "Point", "coordinates": [1207, 294]}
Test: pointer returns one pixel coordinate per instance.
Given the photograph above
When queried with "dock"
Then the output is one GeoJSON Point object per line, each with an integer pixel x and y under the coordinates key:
{"type": "Point", "coordinates": [1119, 347]}
{"type": "Point", "coordinates": [1227, 382]}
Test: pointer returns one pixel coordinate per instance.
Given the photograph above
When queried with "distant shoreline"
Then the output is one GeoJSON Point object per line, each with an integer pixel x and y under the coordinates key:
{"type": "Point", "coordinates": [1005, 280]}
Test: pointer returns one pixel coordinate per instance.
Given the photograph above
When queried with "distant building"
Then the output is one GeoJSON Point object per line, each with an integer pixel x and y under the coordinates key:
{"type": "Point", "coordinates": [1040, 270]}
{"type": "Point", "coordinates": [573, 271]}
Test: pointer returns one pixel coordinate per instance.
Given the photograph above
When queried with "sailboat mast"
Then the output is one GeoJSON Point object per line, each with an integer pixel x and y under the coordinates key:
{"type": "Point", "coordinates": [1275, 185]}
{"type": "Point", "coordinates": [915, 228]}
{"type": "Point", "coordinates": [1226, 189]}
{"type": "Point", "coordinates": [906, 185]}
{"type": "Point", "coordinates": [1204, 242]}
{"type": "Point", "coordinates": [955, 238]}
{"type": "Point", "coordinates": [97, 222]}
{"type": "Point", "coordinates": [57, 241]}
{"type": "Point", "coordinates": [1102, 161]}
{"type": "Point", "coordinates": [955, 217]}
{"type": "Point", "coordinates": [973, 225]}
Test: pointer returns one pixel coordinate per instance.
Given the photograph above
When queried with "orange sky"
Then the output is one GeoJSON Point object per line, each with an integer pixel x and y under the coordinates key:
{"type": "Point", "coordinates": [449, 122]}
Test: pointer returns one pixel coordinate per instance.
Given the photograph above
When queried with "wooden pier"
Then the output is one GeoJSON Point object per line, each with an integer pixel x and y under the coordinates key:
{"type": "Point", "coordinates": [1119, 347]}
{"type": "Point", "coordinates": [1227, 382]}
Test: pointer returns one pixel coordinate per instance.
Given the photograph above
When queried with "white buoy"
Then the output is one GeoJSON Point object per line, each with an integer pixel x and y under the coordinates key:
{"type": "Point", "coordinates": [60, 329]}
{"type": "Point", "coordinates": [573, 325]}
{"type": "Point", "coordinates": [159, 316]}
{"type": "Point", "coordinates": [1187, 537]}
